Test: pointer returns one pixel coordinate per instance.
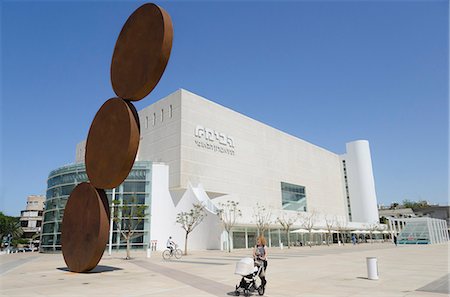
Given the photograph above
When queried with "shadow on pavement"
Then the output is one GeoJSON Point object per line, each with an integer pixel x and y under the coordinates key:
{"type": "Point", "coordinates": [98, 269]}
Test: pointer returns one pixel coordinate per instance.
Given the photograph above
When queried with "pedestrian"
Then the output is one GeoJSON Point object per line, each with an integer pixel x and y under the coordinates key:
{"type": "Point", "coordinates": [395, 240]}
{"type": "Point", "coordinates": [354, 239]}
{"type": "Point", "coordinates": [260, 253]}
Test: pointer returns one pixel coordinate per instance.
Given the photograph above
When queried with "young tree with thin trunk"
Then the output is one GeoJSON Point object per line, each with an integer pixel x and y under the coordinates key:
{"type": "Point", "coordinates": [341, 225]}
{"type": "Point", "coordinates": [228, 213]}
{"type": "Point", "coordinates": [330, 222]}
{"type": "Point", "coordinates": [308, 223]}
{"type": "Point", "coordinates": [372, 227]}
{"type": "Point", "coordinates": [191, 219]}
{"type": "Point", "coordinates": [128, 216]}
{"type": "Point", "coordinates": [286, 223]}
{"type": "Point", "coordinates": [262, 218]}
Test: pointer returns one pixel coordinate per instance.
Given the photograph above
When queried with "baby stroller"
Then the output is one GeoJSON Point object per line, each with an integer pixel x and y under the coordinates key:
{"type": "Point", "coordinates": [249, 269]}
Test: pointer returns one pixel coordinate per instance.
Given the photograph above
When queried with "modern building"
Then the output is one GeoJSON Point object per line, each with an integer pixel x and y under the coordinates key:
{"type": "Point", "coordinates": [31, 218]}
{"type": "Point", "coordinates": [213, 154]}
{"type": "Point", "coordinates": [419, 230]}
{"type": "Point", "coordinates": [137, 188]}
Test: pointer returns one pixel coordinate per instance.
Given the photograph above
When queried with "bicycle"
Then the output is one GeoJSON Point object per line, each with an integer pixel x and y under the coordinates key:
{"type": "Point", "coordinates": [176, 252]}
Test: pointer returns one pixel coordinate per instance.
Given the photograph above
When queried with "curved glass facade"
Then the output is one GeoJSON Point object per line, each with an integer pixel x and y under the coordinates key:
{"type": "Point", "coordinates": [61, 182]}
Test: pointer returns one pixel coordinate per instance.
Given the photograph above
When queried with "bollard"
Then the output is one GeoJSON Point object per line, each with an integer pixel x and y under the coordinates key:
{"type": "Point", "coordinates": [149, 252]}
{"type": "Point", "coordinates": [281, 245]}
{"type": "Point", "coordinates": [372, 268]}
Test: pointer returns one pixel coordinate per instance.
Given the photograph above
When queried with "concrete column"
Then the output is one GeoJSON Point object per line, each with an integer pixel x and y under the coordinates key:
{"type": "Point", "coordinates": [246, 238]}
{"type": "Point", "coordinates": [270, 238]}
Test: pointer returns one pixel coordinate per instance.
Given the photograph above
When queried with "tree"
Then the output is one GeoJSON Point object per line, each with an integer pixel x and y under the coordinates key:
{"type": "Point", "coordinates": [415, 205]}
{"type": "Point", "coordinates": [262, 218]}
{"type": "Point", "coordinates": [127, 216]}
{"type": "Point", "coordinates": [372, 227]}
{"type": "Point", "coordinates": [191, 219]}
{"type": "Point", "coordinates": [308, 223]}
{"type": "Point", "coordinates": [10, 227]}
{"type": "Point", "coordinates": [330, 222]}
{"type": "Point", "coordinates": [341, 225]}
{"type": "Point", "coordinates": [286, 223]}
{"type": "Point", "coordinates": [228, 213]}
{"type": "Point", "coordinates": [394, 205]}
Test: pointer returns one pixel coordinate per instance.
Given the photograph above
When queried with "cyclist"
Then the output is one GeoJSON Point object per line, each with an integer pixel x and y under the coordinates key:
{"type": "Point", "coordinates": [170, 244]}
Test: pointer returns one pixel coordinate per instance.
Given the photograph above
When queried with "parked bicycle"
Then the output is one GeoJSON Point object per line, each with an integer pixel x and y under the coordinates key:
{"type": "Point", "coordinates": [169, 253]}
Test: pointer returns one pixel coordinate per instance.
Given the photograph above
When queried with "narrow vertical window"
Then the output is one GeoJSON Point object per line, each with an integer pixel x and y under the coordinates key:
{"type": "Point", "coordinates": [170, 111]}
{"type": "Point", "coordinates": [146, 122]}
{"type": "Point", "coordinates": [154, 118]}
{"type": "Point", "coordinates": [162, 115]}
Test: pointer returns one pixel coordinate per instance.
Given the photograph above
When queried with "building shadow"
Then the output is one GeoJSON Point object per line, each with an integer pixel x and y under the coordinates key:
{"type": "Point", "coordinates": [98, 269]}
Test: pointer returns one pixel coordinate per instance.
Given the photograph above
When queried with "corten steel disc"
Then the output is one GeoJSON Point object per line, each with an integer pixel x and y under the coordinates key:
{"type": "Point", "coordinates": [112, 144]}
{"type": "Point", "coordinates": [141, 53]}
{"type": "Point", "coordinates": [85, 228]}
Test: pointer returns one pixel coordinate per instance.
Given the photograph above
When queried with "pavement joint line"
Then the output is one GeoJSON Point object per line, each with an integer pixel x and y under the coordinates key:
{"type": "Point", "coordinates": [209, 286]}
{"type": "Point", "coordinates": [7, 267]}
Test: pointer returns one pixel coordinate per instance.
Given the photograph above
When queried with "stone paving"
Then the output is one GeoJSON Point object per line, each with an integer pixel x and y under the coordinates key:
{"type": "Point", "coordinates": [419, 270]}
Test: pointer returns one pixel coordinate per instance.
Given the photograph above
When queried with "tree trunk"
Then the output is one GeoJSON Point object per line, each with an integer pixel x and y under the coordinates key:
{"type": "Point", "coordinates": [128, 249]}
{"type": "Point", "coordinates": [185, 243]}
{"type": "Point", "coordinates": [310, 242]}
{"type": "Point", "coordinates": [229, 242]}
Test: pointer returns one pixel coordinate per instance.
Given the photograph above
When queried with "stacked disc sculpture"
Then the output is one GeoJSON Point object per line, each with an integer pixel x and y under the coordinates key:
{"type": "Point", "coordinates": [140, 57]}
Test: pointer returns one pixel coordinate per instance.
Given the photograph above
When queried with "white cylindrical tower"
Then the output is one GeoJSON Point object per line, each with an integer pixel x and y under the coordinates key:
{"type": "Point", "coordinates": [361, 184]}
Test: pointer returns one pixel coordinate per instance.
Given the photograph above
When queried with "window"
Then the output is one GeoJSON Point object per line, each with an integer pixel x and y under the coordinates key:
{"type": "Point", "coordinates": [146, 122]}
{"type": "Point", "coordinates": [162, 115]}
{"type": "Point", "coordinates": [293, 197]}
{"type": "Point", "coordinates": [154, 119]}
{"type": "Point", "coordinates": [170, 111]}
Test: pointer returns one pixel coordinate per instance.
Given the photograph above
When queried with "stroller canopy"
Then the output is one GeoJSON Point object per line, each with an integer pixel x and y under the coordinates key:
{"type": "Point", "coordinates": [245, 266]}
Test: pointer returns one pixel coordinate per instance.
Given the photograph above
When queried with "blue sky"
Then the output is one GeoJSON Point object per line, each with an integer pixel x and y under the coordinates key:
{"type": "Point", "coordinates": [328, 72]}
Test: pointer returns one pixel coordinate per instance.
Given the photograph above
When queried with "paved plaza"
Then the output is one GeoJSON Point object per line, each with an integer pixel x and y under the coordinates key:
{"type": "Point", "coordinates": [419, 270]}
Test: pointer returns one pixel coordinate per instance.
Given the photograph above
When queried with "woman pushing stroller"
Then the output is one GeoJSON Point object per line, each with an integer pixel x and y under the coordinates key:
{"type": "Point", "coordinates": [250, 269]}
{"type": "Point", "coordinates": [260, 254]}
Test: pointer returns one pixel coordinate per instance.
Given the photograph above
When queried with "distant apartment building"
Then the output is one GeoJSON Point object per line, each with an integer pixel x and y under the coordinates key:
{"type": "Point", "coordinates": [31, 217]}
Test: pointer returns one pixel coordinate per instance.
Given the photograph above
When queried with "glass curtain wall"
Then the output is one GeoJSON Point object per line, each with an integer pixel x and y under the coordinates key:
{"type": "Point", "coordinates": [135, 189]}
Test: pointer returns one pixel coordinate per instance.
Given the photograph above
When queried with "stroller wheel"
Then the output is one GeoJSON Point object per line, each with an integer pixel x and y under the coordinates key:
{"type": "Point", "coordinates": [261, 290]}
{"type": "Point", "coordinates": [236, 293]}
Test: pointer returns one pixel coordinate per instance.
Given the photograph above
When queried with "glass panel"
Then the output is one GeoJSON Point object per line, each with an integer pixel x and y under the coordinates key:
{"type": "Point", "coordinates": [134, 187]}
{"type": "Point", "coordinates": [293, 197]}
{"type": "Point", "coordinates": [238, 240]}
{"type": "Point", "coordinates": [274, 237]}
{"type": "Point", "coordinates": [251, 236]}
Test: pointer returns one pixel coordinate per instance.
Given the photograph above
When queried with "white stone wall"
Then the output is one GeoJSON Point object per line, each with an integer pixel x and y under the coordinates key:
{"type": "Point", "coordinates": [263, 156]}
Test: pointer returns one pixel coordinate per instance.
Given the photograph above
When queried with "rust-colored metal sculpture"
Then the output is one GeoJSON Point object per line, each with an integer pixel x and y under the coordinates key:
{"type": "Point", "coordinates": [140, 57]}
{"type": "Point", "coordinates": [141, 52]}
{"type": "Point", "coordinates": [85, 228]}
{"type": "Point", "coordinates": [112, 144]}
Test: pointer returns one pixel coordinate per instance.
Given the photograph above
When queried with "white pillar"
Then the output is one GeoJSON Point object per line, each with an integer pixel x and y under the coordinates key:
{"type": "Point", "coordinates": [270, 238]}
{"type": "Point", "coordinates": [113, 196]}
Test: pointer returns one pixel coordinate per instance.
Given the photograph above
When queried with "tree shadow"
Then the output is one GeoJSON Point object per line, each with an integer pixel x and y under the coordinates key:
{"type": "Point", "coordinates": [97, 269]}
